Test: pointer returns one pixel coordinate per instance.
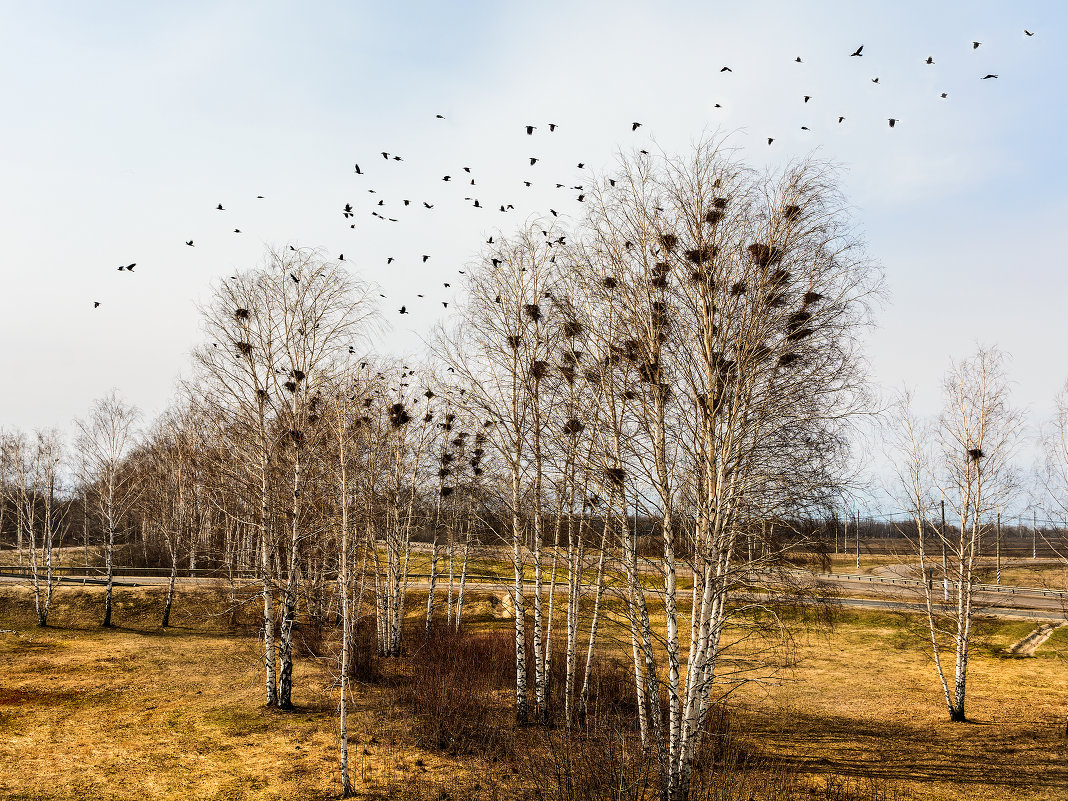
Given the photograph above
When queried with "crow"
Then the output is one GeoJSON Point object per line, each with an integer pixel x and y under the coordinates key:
{"type": "Point", "coordinates": [857, 51]}
{"type": "Point", "coordinates": [635, 126]}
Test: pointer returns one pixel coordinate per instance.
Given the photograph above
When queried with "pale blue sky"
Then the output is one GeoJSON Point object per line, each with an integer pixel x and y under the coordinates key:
{"type": "Point", "coordinates": [126, 123]}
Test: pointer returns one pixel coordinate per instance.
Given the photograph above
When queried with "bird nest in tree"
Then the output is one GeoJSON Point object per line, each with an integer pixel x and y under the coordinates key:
{"type": "Point", "coordinates": [975, 454]}
{"type": "Point", "coordinates": [244, 348]}
{"type": "Point", "coordinates": [738, 288]}
{"type": "Point", "coordinates": [811, 297]}
{"type": "Point", "coordinates": [629, 394]}
{"type": "Point", "coordinates": [290, 385]}
{"type": "Point", "coordinates": [791, 213]}
{"type": "Point", "coordinates": [764, 255]}
{"type": "Point", "coordinates": [573, 426]}
{"type": "Point", "coordinates": [298, 375]}
{"type": "Point", "coordinates": [447, 458]}
{"type": "Point", "coordinates": [428, 417]}
{"type": "Point", "coordinates": [668, 242]}
{"type": "Point", "coordinates": [700, 255]}
{"type": "Point", "coordinates": [477, 471]}
{"type": "Point", "coordinates": [446, 492]}
{"type": "Point", "coordinates": [610, 282]}
{"type": "Point", "coordinates": [592, 376]}
{"type": "Point", "coordinates": [398, 415]}
{"type": "Point", "coordinates": [779, 277]}
{"type": "Point", "coordinates": [777, 299]}
{"type": "Point", "coordinates": [788, 358]}
{"type": "Point", "coordinates": [714, 216]}
{"type": "Point", "coordinates": [798, 318]}
{"type": "Point", "coordinates": [533, 311]}
{"type": "Point", "coordinates": [615, 475]}
{"type": "Point", "coordinates": [444, 472]}
{"type": "Point", "coordinates": [571, 328]}
{"type": "Point", "coordinates": [659, 282]}
{"type": "Point", "coordinates": [568, 372]}
{"type": "Point", "coordinates": [513, 341]}
{"type": "Point", "coordinates": [459, 439]}
{"type": "Point", "coordinates": [294, 436]}
{"type": "Point", "coordinates": [429, 394]}
{"type": "Point", "coordinates": [241, 314]}
{"type": "Point", "coordinates": [799, 334]}
{"type": "Point", "coordinates": [720, 203]}
{"type": "Point", "coordinates": [539, 369]}
{"type": "Point", "coordinates": [477, 453]}
{"type": "Point", "coordinates": [649, 372]}
{"type": "Point", "coordinates": [261, 394]}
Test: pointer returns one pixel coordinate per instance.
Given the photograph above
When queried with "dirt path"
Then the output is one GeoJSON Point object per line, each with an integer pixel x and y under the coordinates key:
{"type": "Point", "coordinates": [1029, 644]}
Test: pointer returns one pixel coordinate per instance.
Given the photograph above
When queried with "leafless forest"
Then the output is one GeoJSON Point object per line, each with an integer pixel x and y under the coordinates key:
{"type": "Point", "coordinates": [650, 417]}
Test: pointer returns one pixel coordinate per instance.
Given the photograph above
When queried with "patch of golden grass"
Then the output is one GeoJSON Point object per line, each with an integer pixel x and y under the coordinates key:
{"type": "Point", "coordinates": [138, 712]}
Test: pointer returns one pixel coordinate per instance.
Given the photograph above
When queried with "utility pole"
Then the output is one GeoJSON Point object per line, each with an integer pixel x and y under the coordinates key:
{"type": "Point", "coordinates": [1034, 534]}
{"type": "Point", "coordinates": [945, 567]}
{"type": "Point", "coordinates": [858, 542]}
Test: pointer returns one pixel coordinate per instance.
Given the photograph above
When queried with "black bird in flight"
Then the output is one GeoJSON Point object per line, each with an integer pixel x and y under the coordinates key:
{"type": "Point", "coordinates": [975, 45]}
{"type": "Point", "coordinates": [425, 257]}
{"type": "Point", "coordinates": [726, 69]}
{"type": "Point", "coordinates": [127, 267]}
{"type": "Point", "coordinates": [341, 257]}
{"type": "Point", "coordinates": [428, 205]}
{"type": "Point", "coordinates": [530, 130]}
{"type": "Point", "coordinates": [930, 60]}
{"type": "Point", "coordinates": [439, 116]}
{"type": "Point", "coordinates": [446, 285]}
{"type": "Point", "coordinates": [403, 309]}
{"type": "Point", "coordinates": [944, 95]}
{"type": "Point", "coordinates": [447, 178]}
{"type": "Point", "coordinates": [581, 165]}
{"type": "Point", "coordinates": [220, 208]}
{"type": "Point", "coordinates": [770, 140]}
{"type": "Point", "coordinates": [840, 120]}
{"type": "Point", "coordinates": [807, 98]}
{"type": "Point", "coordinates": [260, 197]}
{"type": "Point", "coordinates": [238, 230]}
{"type": "Point", "coordinates": [988, 76]}
{"type": "Point", "coordinates": [358, 170]}
{"type": "Point", "coordinates": [445, 303]}
{"type": "Point", "coordinates": [893, 122]}
{"type": "Point", "coordinates": [189, 242]}
{"type": "Point", "coordinates": [295, 279]}
{"type": "Point", "coordinates": [635, 126]}
{"type": "Point", "coordinates": [385, 155]}
{"type": "Point", "coordinates": [798, 59]}
{"type": "Point", "coordinates": [347, 211]}
{"type": "Point", "coordinates": [875, 80]}
{"type": "Point", "coordinates": [397, 158]}
{"type": "Point", "coordinates": [552, 125]}
{"type": "Point", "coordinates": [96, 303]}
{"type": "Point", "coordinates": [533, 161]}
{"type": "Point", "coordinates": [407, 202]}
{"type": "Point", "coordinates": [389, 260]}
{"type": "Point", "coordinates": [1028, 32]}
{"type": "Point", "coordinates": [857, 51]}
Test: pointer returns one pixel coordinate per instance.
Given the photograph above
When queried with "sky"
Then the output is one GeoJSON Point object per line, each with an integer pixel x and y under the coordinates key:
{"type": "Point", "coordinates": [127, 123]}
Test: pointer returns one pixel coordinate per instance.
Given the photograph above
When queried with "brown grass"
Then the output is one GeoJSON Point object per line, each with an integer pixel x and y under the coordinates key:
{"type": "Point", "coordinates": [142, 713]}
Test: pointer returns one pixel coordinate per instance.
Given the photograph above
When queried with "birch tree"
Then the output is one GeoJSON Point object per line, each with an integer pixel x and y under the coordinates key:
{"type": "Point", "coordinates": [964, 459]}
{"type": "Point", "coordinates": [730, 346]}
{"type": "Point", "coordinates": [106, 437]}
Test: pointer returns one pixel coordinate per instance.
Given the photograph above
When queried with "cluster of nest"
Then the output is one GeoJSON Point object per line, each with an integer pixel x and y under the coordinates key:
{"type": "Point", "coordinates": [573, 427]}
{"type": "Point", "coordinates": [796, 328]}
{"type": "Point", "coordinates": [241, 314]}
{"type": "Point", "coordinates": [539, 369]}
{"type": "Point", "coordinates": [660, 273]}
{"type": "Point", "coordinates": [533, 312]}
{"type": "Point", "coordinates": [764, 255]}
{"type": "Point", "coordinates": [398, 415]}
{"type": "Point", "coordinates": [791, 213]}
{"type": "Point", "coordinates": [571, 328]}
{"type": "Point", "coordinates": [668, 242]}
{"type": "Point", "coordinates": [244, 348]}
{"type": "Point", "coordinates": [615, 475]}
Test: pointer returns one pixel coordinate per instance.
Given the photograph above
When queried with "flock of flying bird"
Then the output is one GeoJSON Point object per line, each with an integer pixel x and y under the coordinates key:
{"type": "Point", "coordinates": [467, 178]}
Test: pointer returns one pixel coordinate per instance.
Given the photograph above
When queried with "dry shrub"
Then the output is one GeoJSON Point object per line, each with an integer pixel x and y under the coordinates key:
{"type": "Point", "coordinates": [454, 690]}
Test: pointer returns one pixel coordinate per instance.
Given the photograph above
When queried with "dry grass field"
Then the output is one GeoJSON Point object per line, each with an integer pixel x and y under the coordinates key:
{"type": "Point", "coordinates": [137, 712]}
